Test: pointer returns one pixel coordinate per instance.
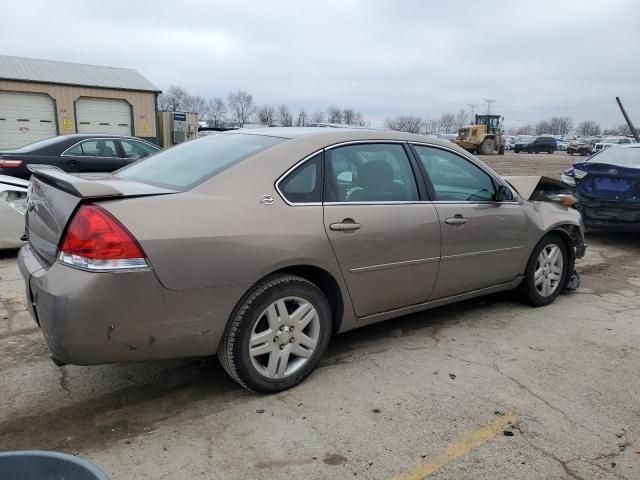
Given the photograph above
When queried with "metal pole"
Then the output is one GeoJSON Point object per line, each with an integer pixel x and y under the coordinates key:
{"type": "Point", "coordinates": [626, 117]}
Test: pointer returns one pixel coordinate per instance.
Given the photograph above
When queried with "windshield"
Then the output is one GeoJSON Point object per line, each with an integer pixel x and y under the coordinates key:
{"type": "Point", "coordinates": [189, 164]}
{"type": "Point", "coordinates": [625, 157]}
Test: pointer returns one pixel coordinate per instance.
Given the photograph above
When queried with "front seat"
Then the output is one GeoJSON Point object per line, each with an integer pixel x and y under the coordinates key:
{"type": "Point", "coordinates": [375, 179]}
{"type": "Point", "coordinates": [103, 149]}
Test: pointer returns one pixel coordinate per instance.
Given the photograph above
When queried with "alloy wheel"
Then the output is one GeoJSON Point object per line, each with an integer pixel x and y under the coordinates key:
{"type": "Point", "coordinates": [549, 269]}
{"type": "Point", "coordinates": [284, 337]}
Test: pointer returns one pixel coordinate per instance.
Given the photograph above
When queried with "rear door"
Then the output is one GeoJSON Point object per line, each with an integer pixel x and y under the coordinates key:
{"type": "Point", "coordinates": [482, 239]}
{"type": "Point", "coordinates": [385, 235]}
{"type": "Point", "coordinates": [93, 155]}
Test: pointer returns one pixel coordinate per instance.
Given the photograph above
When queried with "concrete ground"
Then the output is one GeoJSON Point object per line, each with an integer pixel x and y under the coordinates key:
{"type": "Point", "coordinates": [430, 394]}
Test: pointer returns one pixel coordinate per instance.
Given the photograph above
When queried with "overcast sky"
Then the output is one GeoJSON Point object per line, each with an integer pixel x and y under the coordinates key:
{"type": "Point", "coordinates": [534, 58]}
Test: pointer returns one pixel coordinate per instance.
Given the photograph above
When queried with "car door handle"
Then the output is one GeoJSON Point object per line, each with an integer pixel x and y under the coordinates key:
{"type": "Point", "coordinates": [72, 161]}
{"type": "Point", "coordinates": [346, 225]}
{"type": "Point", "coordinates": [457, 220]}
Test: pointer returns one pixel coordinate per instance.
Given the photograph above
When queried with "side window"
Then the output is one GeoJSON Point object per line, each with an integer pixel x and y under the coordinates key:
{"type": "Point", "coordinates": [455, 178]}
{"type": "Point", "coordinates": [376, 172]}
{"type": "Point", "coordinates": [75, 150]}
{"type": "Point", "coordinates": [134, 150]}
{"type": "Point", "coordinates": [304, 184]}
{"type": "Point", "coordinates": [99, 148]}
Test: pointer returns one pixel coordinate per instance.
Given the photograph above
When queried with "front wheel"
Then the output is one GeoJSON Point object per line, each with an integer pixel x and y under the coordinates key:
{"type": "Point", "coordinates": [487, 147]}
{"type": "Point", "coordinates": [546, 272]}
{"type": "Point", "coordinates": [277, 334]}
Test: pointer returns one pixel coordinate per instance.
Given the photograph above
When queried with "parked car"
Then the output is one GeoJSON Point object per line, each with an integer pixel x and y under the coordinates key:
{"type": "Point", "coordinates": [582, 147]}
{"type": "Point", "coordinates": [272, 240]}
{"type": "Point", "coordinates": [608, 188]}
{"type": "Point", "coordinates": [537, 145]}
{"type": "Point", "coordinates": [610, 142]}
{"type": "Point", "coordinates": [562, 145]}
{"type": "Point", "coordinates": [521, 142]}
{"type": "Point", "coordinates": [13, 205]}
{"type": "Point", "coordinates": [76, 153]}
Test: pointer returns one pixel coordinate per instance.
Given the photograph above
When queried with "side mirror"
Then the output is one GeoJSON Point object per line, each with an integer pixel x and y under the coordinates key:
{"type": "Point", "coordinates": [503, 194]}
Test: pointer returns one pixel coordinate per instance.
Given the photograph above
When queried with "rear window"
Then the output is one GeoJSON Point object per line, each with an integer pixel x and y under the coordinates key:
{"type": "Point", "coordinates": [623, 156]}
{"type": "Point", "coordinates": [191, 163]}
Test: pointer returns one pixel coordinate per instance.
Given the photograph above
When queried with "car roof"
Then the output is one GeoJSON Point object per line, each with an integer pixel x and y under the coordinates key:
{"type": "Point", "coordinates": [336, 135]}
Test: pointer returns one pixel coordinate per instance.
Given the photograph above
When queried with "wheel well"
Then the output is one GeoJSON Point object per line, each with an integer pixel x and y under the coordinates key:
{"type": "Point", "coordinates": [326, 283]}
{"type": "Point", "coordinates": [567, 233]}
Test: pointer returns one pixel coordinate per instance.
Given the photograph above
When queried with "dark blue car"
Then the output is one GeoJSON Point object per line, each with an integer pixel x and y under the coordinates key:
{"type": "Point", "coordinates": [608, 188]}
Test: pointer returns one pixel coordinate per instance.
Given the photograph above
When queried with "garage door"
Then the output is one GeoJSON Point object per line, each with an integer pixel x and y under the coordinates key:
{"type": "Point", "coordinates": [25, 118]}
{"type": "Point", "coordinates": [103, 115]}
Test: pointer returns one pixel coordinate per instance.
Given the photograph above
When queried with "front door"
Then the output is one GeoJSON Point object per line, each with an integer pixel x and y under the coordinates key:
{"type": "Point", "coordinates": [385, 237]}
{"type": "Point", "coordinates": [482, 239]}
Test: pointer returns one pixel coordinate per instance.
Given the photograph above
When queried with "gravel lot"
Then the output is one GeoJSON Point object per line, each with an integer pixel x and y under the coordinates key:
{"type": "Point", "coordinates": [427, 394]}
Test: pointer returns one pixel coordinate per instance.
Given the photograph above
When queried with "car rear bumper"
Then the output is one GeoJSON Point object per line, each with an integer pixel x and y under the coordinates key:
{"type": "Point", "coordinates": [610, 215]}
{"type": "Point", "coordinates": [94, 317]}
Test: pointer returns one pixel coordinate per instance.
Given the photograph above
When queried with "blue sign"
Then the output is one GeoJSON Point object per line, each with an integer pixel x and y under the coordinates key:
{"type": "Point", "coordinates": [180, 117]}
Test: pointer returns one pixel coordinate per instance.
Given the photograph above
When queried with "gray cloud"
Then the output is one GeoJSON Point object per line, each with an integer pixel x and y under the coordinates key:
{"type": "Point", "coordinates": [536, 59]}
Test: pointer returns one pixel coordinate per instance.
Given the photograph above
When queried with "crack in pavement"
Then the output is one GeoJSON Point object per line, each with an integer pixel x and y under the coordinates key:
{"type": "Point", "coordinates": [494, 366]}
{"type": "Point", "coordinates": [563, 463]}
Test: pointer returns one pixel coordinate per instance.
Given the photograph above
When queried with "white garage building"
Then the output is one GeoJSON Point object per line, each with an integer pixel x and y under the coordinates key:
{"type": "Point", "coordinates": [43, 98]}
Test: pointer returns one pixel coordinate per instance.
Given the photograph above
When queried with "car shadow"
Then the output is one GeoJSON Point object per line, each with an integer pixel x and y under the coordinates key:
{"type": "Point", "coordinates": [177, 387]}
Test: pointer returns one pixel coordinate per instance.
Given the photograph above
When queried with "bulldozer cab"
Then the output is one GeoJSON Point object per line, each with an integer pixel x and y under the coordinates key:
{"type": "Point", "coordinates": [492, 122]}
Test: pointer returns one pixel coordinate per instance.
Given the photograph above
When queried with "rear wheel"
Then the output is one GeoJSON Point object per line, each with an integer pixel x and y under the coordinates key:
{"type": "Point", "coordinates": [487, 147]}
{"type": "Point", "coordinates": [501, 151]}
{"type": "Point", "coordinates": [546, 272]}
{"type": "Point", "coordinates": [277, 334]}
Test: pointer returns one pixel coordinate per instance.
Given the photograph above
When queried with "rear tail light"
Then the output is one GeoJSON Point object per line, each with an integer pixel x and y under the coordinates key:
{"type": "Point", "coordinates": [96, 240]}
{"type": "Point", "coordinates": [5, 163]}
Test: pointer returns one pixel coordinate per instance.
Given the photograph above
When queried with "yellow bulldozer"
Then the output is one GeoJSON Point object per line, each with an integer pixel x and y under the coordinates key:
{"type": "Point", "coordinates": [484, 137]}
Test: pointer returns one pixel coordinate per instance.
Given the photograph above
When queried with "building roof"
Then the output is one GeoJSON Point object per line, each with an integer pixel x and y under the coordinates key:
{"type": "Point", "coordinates": [66, 73]}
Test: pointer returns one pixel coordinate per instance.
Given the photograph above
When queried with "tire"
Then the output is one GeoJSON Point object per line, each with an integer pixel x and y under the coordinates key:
{"type": "Point", "coordinates": [551, 151]}
{"type": "Point", "coordinates": [501, 150]}
{"type": "Point", "coordinates": [535, 295]}
{"type": "Point", "coordinates": [257, 316]}
{"type": "Point", "coordinates": [487, 147]}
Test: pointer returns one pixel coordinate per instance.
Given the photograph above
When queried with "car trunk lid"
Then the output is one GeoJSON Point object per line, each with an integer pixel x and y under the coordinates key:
{"type": "Point", "coordinates": [602, 181]}
{"type": "Point", "coordinates": [54, 196]}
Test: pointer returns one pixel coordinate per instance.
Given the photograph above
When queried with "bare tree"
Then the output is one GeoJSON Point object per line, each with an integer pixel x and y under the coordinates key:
{"type": "Point", "coordinates": [462, 119]}
{"type": "Point", "coordinates": [405, 123]}
{"type": "Point", "coordinates": [317, 117]}
{"type": "Point", "coordinates": [302, 118]}
{"type": "Point", "coordinates": [359, 120]}
{"type": "Point", "coordinates": [173, 100]}
{"type": "Point", "coordinates": [543, 126]}
{"type": "Point", "coordinates": [284, 116]}
{"type": "Point", "coordinates": [431, 126]}
{"type": "Point", "coordinates": [349, 116]}
{"type": "Point", "coordinates": [560, 125]}
{"type": "Point", "coordinates": [215, 112]}
{"type": "Point", "coordinates": [448, 122]}
{"type": "Point", "coordinates": [266, 115]}
{"type": "Point", "coordinates": [241, 106]}
{"type": "Point", "coordinates": [588, 128]}
{"type": "Point", "coordinates": [195, 104]}
{"type": "Point", "coordinates": [334, 114]}
{"type": "Point", "coordinates": [525, 130]}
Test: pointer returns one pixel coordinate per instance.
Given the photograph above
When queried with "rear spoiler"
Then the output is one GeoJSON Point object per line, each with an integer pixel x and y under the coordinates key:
{"type": "Point", "coordinates": [76, 186]}
{"type": "Point", "coordinates": [102, 185]}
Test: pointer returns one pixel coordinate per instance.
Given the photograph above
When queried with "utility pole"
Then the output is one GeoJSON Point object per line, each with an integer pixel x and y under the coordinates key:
{"type": "Point", "coordinates": [473, 110]}
{"type": "Point", "coordinates": [628, 120]}
{"type": "Point", "coordinates": [489, 102]}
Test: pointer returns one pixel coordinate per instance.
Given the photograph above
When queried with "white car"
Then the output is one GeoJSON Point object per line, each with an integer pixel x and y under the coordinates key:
{"type": "Point", "coordinates": [13, 205]}
{"type": "Point", "coordinates": [611, 141]}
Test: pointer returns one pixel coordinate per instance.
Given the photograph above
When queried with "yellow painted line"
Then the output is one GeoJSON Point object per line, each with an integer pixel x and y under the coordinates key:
{"type": "Point", "coordinates": [459, 448]}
